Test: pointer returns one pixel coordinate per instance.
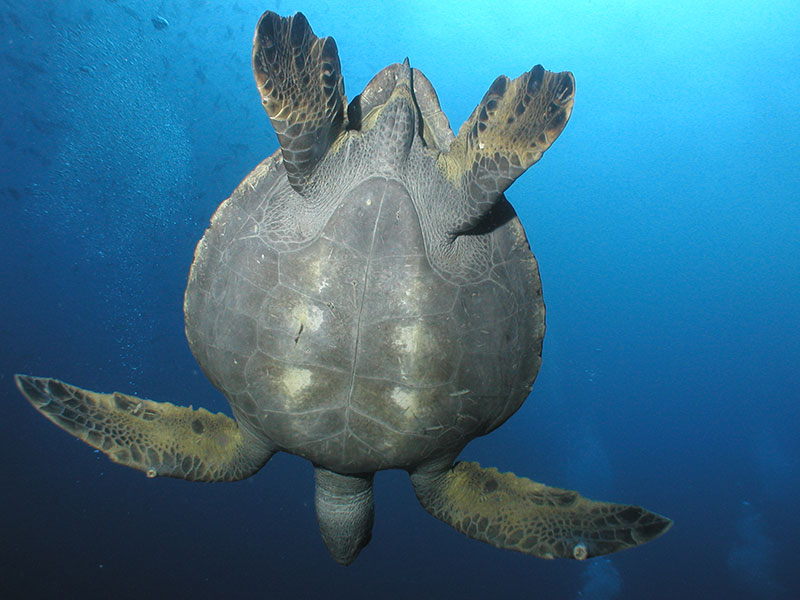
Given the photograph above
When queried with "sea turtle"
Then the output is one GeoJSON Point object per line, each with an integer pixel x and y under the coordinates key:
{"type": "Point", "coordinates": [367, 299]}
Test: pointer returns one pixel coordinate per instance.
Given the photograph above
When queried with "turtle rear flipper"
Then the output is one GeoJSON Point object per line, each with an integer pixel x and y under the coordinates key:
{"type": "Point", "coordinates": [519, 514]}
{"type": "Point", "coordinates": [515, 122]}
{"type": "Point", "coordinates": [158, 438]}
{"type": "Point", "coordinates": [300, 81]}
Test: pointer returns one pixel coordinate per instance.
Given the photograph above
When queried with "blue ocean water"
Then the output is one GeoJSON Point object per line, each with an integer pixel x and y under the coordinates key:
{"type": "Point", "coordinates": [666, 222]}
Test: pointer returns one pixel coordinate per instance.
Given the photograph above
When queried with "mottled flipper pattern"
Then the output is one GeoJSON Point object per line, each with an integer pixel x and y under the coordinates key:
{"type": "Point", "coordinates": [519, 514]}
{"type": "Point", "coordinates": [509, 130]}
{"type": "Point", "coordinates": [302, 90]}
{"type": "Point", "coordinates": [158, 438]}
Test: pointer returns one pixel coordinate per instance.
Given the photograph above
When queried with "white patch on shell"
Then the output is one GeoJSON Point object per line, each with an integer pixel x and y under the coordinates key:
{"type": "Point", "coordinates": [408, 337]}
{"type": "Point", "coordinates": [316, 265]}
{"type": "Point", "coordinates": [295, 381]}
{"type": "Point", "coordinates": [308, 315]}
{"type": "Point", "coordinates": [407, 401]}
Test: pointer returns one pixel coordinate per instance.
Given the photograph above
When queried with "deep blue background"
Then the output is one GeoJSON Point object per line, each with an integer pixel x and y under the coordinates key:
{"type": "Point", "coordinates": [666, 220]}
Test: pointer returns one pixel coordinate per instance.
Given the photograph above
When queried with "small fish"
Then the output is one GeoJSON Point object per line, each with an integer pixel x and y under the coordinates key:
{"type": "Point", "coordinates": [160, 23]}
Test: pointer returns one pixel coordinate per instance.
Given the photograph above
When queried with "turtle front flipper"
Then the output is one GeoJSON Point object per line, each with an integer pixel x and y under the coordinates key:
{"type": "Point", "coordinates": [509, 130]}
{"type": "Point", "coordinates": [158, 438]}
{"type": "Point", "coordinates": [301, 86]}
{"type": "Point", "coordinates": [519, 514]}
